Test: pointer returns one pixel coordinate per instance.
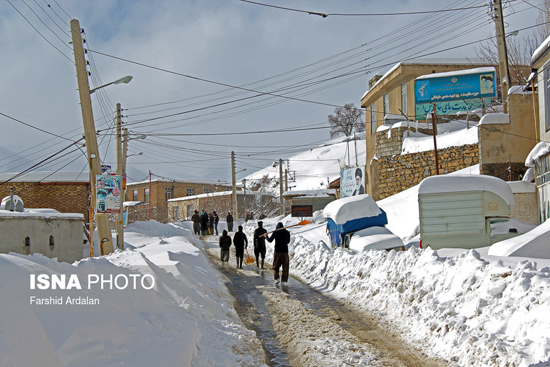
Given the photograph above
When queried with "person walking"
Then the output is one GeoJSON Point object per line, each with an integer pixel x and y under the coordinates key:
{"type": "Point", "coordinates": [204, 223]}
{"type": "Point", "coordinates": [225, 244]}
{"type": "Point", "coordinates": [259, 243]}
{"type": "Point", "coordinates": [229, 220]}
{"type": "Point", "coordinates": [196, 218]}
{"type": "Point", "coordinates": [240, 242]}
{"type": "Point", "coordinates": [280, 257]}
{"type": "Point", "coordinates": [210, 224]}
{"type": "Point", "coordinates": [216, 221]}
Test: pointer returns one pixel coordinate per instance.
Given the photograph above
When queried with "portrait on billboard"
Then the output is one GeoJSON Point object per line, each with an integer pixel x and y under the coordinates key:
{"type": "Point", "coordinates": [486, 84]}
{"type": "Point", "coordinates": [352, 182]}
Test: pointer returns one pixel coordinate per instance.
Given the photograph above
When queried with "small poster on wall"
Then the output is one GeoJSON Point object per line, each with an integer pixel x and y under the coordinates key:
{"type": "Point", "coordinates": [108, 193]}
{"type": "Point", "coordinates": [352, 182]}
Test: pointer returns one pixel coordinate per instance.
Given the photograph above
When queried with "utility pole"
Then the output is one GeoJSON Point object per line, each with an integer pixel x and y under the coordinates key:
{"type": "Point", "coordinates": [103, 227]}
{"type": "Point", "coordinates": [281, 185]}
{"type": "Point", "coordinates": [234, 193]}
{"type": "Point", "coordinates": [123, 191]}
{"type": "Point", "coordinates": [245, 216]}
{"type": "Point", "coordinates": [150, 196]}
{"type": "Point", "coordinates": [434, 127]}
{"type": "Point", "coordinates": [504, 72]}
{"type": "Point", "coordinates": [119, 172]}
{"type": "Point", "coordinates": [286, 180]}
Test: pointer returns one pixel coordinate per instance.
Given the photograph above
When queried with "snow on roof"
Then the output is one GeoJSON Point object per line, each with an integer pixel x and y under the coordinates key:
{"type": "Point", "coordinates": [538, 151]}
{"type": "Point", "coordinates": [161, 179]}
{"type": "Point", "coordinates": [422, 143]}
{"type": "Point", "coordinates": [531, 244]}
{"type": "Point", "coordinates": [462, 183]}
{"type": "Point", "coordinates": [40, 213]}
{"type": "Point", "coordinates": [522, 187]}
{"type": "Point", "coordinates": [540, 50]}
{"type": "Point", "coordinates": [457, 72]}
{"type": "Point", "coordinates": [325, 193]}
{"type": "Point", "coordinates": [518, 89]}
{"type": "Point", "coordinates": [131, 203]}
{"type": "Point", "coordinates": [220, 193]}
{"type": "Point", "coordinates": [353, 207]}
{"type": "Point", "coordinates": [495, 119]}
{"type": "Point", "coordinates": [47, 176]}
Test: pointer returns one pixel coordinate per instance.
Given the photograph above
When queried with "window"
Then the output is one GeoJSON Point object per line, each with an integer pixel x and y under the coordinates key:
{"type": "Point", "coordinates": [52, 243]}
{"type": "Point", "coordinates": [147, 195]}
{"type": "Point", "coordinates": [190, 191]}
{"type": "Point", "coordinates": [207, 190]}
{"type": "Point", "coordinates": [177, 213]}
{"type": "Point", "coordinates": [404, 97]}
{"type": "Point", "coordinates": [386, 104]}
{"type": "Point", "coordinates": [168, 193]}
{"type": "Point", "coordinates": [372, 119]}
{"type": "Point", "coordinates": [27, 247]}
{"type": "Point", "coordinates": [135, 195]}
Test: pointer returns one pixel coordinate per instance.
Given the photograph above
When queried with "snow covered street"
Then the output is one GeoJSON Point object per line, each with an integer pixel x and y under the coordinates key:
{"type": "Point", "coordinates": [391, 308]}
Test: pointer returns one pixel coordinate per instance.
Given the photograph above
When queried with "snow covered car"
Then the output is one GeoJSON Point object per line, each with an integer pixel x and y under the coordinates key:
{"type": "Point", "coordinates": [349, 215]}
{"type": "Point", "coordinates": [375, 238]}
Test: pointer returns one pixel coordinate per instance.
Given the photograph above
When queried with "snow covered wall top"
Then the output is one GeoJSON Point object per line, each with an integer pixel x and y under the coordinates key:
{"type": "Point", "coordinates": [461, 183]}
{"type": "Point", "coordinates": [350, 208]}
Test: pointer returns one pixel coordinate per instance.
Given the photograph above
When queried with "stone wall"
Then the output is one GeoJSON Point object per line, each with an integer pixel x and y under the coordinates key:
{"type": "Point", "coordinates": [400, 172]}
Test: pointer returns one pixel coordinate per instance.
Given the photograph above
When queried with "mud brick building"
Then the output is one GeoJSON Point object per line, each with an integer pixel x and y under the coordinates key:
{"type": "Point", "coordinates": [156, 193]}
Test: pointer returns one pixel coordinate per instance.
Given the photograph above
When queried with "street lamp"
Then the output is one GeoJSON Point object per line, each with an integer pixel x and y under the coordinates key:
{"type": "Point", "coordinates": [124, 80]}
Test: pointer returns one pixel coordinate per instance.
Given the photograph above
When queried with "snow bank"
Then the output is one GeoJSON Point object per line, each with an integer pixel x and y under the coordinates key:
{"type": "Point", "coordinates": [495, 119]}
{"type": "Point", "coordinates": [186, 319]}
{"type": "Point", "coordinates": [463, 309]}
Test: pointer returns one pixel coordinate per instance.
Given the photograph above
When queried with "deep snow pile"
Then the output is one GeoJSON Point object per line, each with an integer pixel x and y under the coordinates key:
{"type": "Point", "coordinates": [187, 318]}
{"type": "Point", "coordinates": [467, 307]}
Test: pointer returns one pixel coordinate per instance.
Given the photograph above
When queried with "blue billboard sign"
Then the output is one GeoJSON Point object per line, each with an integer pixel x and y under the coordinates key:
{"type": "Point", "coordinates": [455, 86]}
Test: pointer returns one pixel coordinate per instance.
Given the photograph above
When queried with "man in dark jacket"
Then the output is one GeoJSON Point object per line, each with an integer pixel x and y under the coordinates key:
{"type": "Point", "coordinates": [204, 223]}
{"type": "Point", "coordinates": [241, 242]}
{"type": "Point", "coordinates": [229, 222]}
{"type": "Point", "coordinates": [280, 257]}
{"type": "Point", "coordinates": [259, 243]}
{"type": "Point", "coordinates": [225, 244]}
{"type": "Point", "coordinates": [196, 223]}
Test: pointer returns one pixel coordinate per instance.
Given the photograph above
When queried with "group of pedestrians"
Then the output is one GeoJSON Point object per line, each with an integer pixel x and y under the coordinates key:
{"type": "Point", "coordinates": [205, 224]}
{"type": "Point", "coordinates": [281, 236]}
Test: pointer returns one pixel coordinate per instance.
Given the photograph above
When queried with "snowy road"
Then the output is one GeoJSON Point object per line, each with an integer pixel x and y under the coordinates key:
{"type": "Point", "coordinates": [299, 326]}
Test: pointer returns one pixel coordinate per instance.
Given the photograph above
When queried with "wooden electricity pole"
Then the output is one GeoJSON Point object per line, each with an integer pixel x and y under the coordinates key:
{"type": "Point", "coordinates": [119, 172]}
{"type": "Point", "coordinates": [502, 53]}
{"type": "Point", "coordinates": [102, 220]}
{"type": "Point", "coordinates": [234, 193]}
{"type": "Point", "coordinates": [281, 185]}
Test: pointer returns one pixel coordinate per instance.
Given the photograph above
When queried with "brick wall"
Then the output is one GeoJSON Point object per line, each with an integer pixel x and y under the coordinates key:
{"type": "Point", "coordinates": [400, 172]}
{"type": "Point", "coordinates": [65, 198]}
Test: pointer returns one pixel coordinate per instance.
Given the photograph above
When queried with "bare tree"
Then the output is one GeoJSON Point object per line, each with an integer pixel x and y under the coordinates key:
{"type": "Point", "coordinates": [345, 120]}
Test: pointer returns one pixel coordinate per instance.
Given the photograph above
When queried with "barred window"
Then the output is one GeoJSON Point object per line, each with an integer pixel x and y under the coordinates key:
{"type": "Point", "coordinates": [207, 190]}
{"type": "Point", "coordinates": [168, 192]}
{"type": "Point", "coordinates": [190, 191]}
{"type": "Point", "coordinates": [147, 195]}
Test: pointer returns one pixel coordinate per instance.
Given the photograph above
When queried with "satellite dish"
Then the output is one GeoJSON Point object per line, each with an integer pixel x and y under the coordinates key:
{"type": "Point", "coordinates": [16, 205]}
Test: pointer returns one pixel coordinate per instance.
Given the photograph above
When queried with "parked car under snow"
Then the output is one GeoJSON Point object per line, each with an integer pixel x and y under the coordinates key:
{"type": "Point", "coordinates": [375, 238]}
{"type": "Point", "coordinates": [350, 218]}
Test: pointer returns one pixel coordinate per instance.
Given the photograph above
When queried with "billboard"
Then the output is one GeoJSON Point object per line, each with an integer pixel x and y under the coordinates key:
{"type": "Point", "coordinates": [108, 193]}
{"type": "Point", "coordinates": [455, 86]}
{"type": "Point", "coordinates": [352, 182]}
{"type": "Point", "coordinates": [301, 210]}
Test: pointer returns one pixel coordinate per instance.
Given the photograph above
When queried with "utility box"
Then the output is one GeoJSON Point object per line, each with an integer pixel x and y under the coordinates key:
{"type": "Point", "coordinates": [457, 211]}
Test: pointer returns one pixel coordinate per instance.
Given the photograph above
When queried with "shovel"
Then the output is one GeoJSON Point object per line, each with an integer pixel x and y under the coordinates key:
{"type": "Point", "coordinates": [302, 223]}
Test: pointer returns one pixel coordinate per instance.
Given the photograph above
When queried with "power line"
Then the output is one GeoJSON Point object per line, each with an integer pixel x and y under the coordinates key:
{"type": "Point", "coordinates": [325, 15]}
